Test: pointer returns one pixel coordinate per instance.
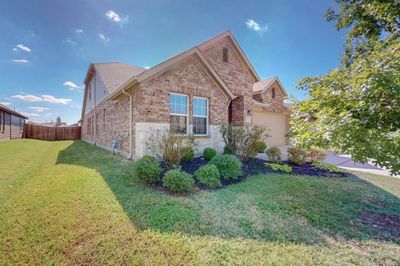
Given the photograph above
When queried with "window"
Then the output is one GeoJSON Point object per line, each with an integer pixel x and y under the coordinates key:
{"type": "Point", "coordinates": [89, 91]}
{"type": "Point", "coordinates": [225, 57]}
{"type": "Point", "coordinates": [178, 109]}
{"type": "Point", "coordinates": [89, 122]}
{"type": "Point", "coordinates": [273, 93]}
{"type": "Point", "coordinates": [200, 116]}
{"type": "Point", "coordinates": [97, 123]}
{"type": "Point", "coordinates": [104, 119]}
{"type": "Point", "coordinates": [1, 119]}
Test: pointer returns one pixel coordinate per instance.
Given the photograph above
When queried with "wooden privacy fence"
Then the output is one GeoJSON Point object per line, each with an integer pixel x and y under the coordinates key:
{"type": "Point", "coordinates": [52, 133]}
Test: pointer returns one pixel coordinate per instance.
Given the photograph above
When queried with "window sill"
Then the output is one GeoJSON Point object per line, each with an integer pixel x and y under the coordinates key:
{"type": "Point", "coordinates": [201, 136]}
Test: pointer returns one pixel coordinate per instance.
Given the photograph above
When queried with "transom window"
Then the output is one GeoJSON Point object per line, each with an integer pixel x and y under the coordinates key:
{"type": "Point", "coordinates": [200, 116]}
{"type": "Point", "coordinates": [178, 108]}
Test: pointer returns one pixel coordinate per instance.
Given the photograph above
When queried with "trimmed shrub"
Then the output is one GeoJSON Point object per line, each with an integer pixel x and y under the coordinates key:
{"type": "Point", "coordinates": [260, 146]}
{"type": "Point", "coordinates": [280, 167]}
{"type": "Point", "coordinates": [229, 166]}
{"type": "Point", "coordinates": [148, 169]}
{"type": "Point", "coordinates": [296, 155]}
{"type": "Point", "coordinates": [188, 154]}
{"type": "Point", "coordinates": [274, 154]}
{"type": "Point", "coordinates": [227, 150]}
{"type": "Point", "coordinates": [178, 181]}
{"type": "Point", "coordinates": [209, 153]}
{"type": "Point", "coordinates": [315, 154]}
{"type": "Point", "coordinates": [208, 175]}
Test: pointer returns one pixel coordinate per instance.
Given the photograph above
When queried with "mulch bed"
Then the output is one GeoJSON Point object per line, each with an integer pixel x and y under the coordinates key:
{"type": "Point", "coordinates": [257, 166]}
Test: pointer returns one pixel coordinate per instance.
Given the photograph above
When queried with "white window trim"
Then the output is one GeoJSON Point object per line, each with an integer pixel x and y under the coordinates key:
{"type": "Point", "coordinates": [204, 116]}
{"type": "Point", "coordinates": [187, 111]}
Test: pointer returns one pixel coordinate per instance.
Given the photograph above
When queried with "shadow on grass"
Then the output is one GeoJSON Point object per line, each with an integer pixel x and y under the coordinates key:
{"type": "Point", "coordinates": [285, 208]}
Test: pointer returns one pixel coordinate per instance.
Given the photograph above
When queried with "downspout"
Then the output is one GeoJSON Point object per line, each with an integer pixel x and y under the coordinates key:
{"type": "Point", "coordinates": [130, 122]}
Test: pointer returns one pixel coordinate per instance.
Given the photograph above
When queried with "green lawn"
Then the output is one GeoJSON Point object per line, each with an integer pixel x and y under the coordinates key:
{"type": "Point", "coordinates": [72, 203]}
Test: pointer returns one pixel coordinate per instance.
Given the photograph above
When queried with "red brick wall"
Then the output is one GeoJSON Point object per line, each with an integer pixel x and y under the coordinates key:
{"type": "Point", "coordinates": [274, 105]}
{"type": "Point", "coordinates": [152, 99]}
{"type": "Point", "coordinates": [235, 75]}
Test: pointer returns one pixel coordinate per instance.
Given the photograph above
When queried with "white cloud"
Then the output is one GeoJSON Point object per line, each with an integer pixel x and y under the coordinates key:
{"type": "Point", "coordinates": [70, 42]}
{"type": "Point", "coordinates": [38, 109]}
{"type": "Point", "coordinates": [23, 48]}
{"type": "Point", "coordinates": [52, 99]}
{"type": "Point", "coordinates": [147, 67]}
{"type": "Point", "coordinates": [20, 61]}
{"type": "Point", "coordinates": [42, 98]}
{"type": "Point", "coordinates": [5, 103]}
{"type": "Point", "coordinates": [30, 114]}
{"type": "Point", "coordinates": [252, 25]}
{"type": "Point", "coordinates": [112, 16]}
{"type": "Point", "coordinates": [104, 38]}
{"type": "Point", "coordinates": [15, 49]}
{"type": "Point", "coordinates": [79, 30]}
{"type": "Point", "coordinates": [71, 86]}
{"type": "Point", "coordinates": [27, 98]}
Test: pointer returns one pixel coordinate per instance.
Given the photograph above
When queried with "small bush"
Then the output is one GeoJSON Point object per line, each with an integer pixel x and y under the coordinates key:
{"type": "Point", "coordinates": [315, 154]}
{"type": "Point", "coordinates": [188, 154]}
{"type": "Point", "coordinates": [209, 153]}
{"type": "Point", "coordinates": [296, 155]}
{"type": "Point", "coordinates": [241, 139]}
{"type": "Point", "coordinates": [260, 146]}
{"type": "Point", "coordinates": [229, 166]}
{"type": "Point", "coordinates": [178, 181]}
{"type": "Point", "coordinates": [327, 167]}
{"type": "Point", "coordinates": [208, 175]}
{"type": "Point", "coordinates": [274, 154]}
{"type": "Point", "coordinates": [148, 169]}
{"type": "Point", "coordinates": [280, 167]}
{"type": "Point", "coordinates": [227, 150]}
{"type": "Point", "coordinates": [171, 148]}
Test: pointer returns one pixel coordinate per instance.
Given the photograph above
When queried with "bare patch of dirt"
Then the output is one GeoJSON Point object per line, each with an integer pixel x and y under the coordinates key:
{"type": "Point", "coordinates": [388, 224]}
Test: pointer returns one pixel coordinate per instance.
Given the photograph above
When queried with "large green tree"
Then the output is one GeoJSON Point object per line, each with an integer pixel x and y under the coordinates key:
{"type": "Point", "coordinates": [355, 108]}
{"type": "Point", "coordinates": [366, 20]}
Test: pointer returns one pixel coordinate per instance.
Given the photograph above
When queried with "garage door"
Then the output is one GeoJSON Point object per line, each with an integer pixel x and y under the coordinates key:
{"type": "Point", "coordinates": [276, 126]}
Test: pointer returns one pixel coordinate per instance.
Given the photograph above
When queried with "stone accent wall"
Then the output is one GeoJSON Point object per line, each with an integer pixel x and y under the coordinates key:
{"type": "Point", "coordinates": [274, 105]}
{"type": "Point", "coordinates": [236, 76]}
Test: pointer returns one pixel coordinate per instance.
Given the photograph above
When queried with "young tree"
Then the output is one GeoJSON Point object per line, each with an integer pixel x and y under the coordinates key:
{"type": "Point", "coordinates": [355, 108]}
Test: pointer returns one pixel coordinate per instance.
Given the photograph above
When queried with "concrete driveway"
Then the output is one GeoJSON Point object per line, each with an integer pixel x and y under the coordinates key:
{"type": "Point", "coordinates": [344, 161]}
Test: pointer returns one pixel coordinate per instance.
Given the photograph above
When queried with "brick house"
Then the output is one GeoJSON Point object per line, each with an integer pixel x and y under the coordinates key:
{"type": "Point", "coordinates": [11, 124]}
{"type": "Point", "coordinates": [193, 93]}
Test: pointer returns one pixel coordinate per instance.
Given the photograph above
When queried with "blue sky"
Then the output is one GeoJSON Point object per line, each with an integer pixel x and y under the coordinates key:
{"type": "Point", "coordinates": [46, 46]}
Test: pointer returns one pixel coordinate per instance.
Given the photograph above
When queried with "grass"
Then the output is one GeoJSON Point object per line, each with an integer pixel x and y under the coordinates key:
{"type": "Point", "coordinates": [72, 203]}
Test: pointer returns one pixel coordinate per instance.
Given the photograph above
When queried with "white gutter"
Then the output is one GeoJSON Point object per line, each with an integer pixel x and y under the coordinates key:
{"type": "Point", "coordinates": [130, 122]}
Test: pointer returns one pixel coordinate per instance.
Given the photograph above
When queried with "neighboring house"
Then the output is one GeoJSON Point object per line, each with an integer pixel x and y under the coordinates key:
{"type": "Point", "coordinates": [193, 92]}
{"type": "Point", "coordinates": [57, 123]}
{"type": "Point", "coordinates": [11, 124]}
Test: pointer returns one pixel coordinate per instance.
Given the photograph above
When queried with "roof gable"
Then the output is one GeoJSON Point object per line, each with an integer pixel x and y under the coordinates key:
{"type": "Point", "coordinates": [265, 84]}
{"type": "Point", "coordinates": [214, 41]}
{"type": "Point", "coordinates": [164, 66]}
